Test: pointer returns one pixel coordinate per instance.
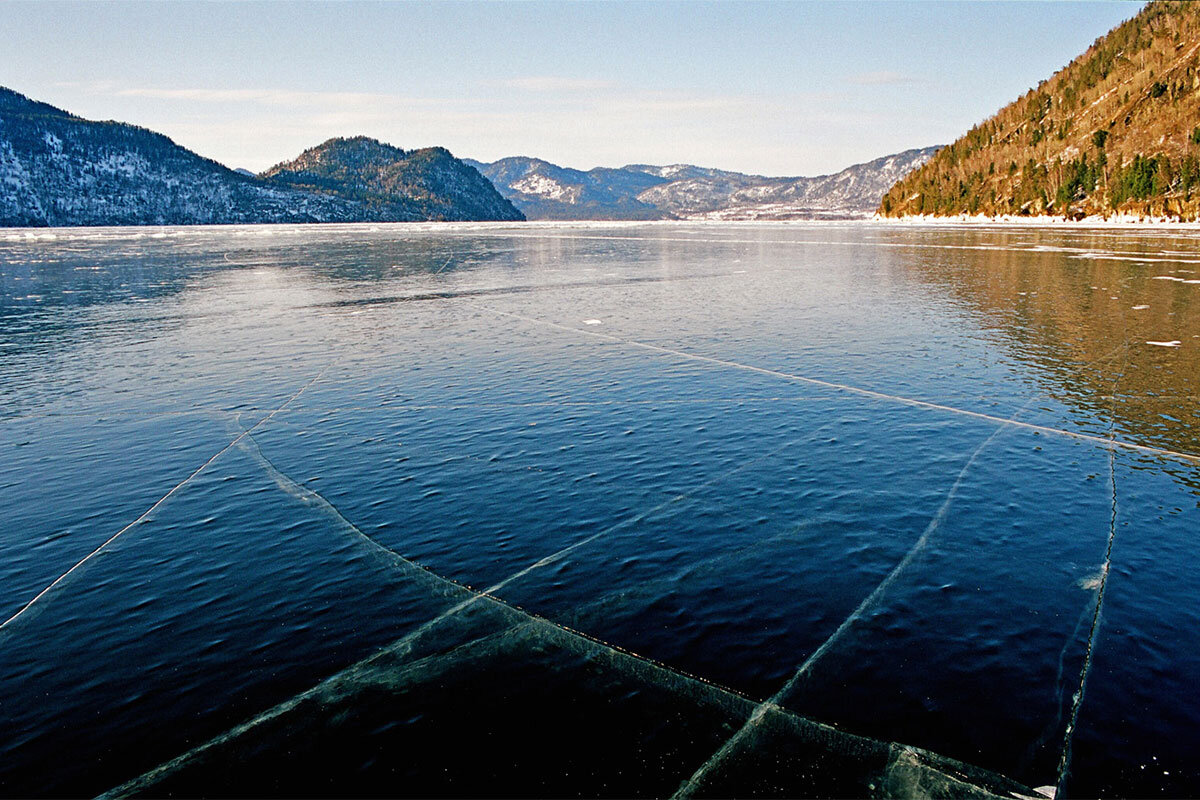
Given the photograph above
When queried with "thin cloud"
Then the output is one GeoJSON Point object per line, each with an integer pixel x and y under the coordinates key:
{"type": "Point", "coordinates": [606, 127]}
{"type": "Point", "coordinates": [271, 97]}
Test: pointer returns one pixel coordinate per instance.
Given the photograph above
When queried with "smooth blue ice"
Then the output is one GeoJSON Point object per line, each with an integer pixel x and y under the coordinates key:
{"type": "Point", "coordinates": [932, 485]}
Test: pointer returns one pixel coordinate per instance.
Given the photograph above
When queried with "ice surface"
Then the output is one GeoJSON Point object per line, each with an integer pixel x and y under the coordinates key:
{"type": "Point", "coordinates": [505, 688]}
{"type": "Point", "coordinates": [698, 779]}
{"type": "Point", "coordinates": [547, 404]}
{"type": "Point", "coordinates": [1100, 584]}
{"type": "Point", "coordinates": [158, 503]}
{"type": "Point", "coordinates": [864, 392]}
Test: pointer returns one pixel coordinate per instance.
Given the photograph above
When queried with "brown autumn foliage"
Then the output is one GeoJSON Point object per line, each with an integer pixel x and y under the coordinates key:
{"type": "Point", "coordinates": [1115, 131]}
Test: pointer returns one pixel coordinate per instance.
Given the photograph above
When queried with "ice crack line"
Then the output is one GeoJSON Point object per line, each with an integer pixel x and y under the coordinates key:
{"type": "Point", "coordinates": [405, 643]}
{"type": "Point", "coordinates": [1064, 764]}
{"type": "Point", "coordinates": [174, 489]}
{"type": "Point", "coordinates": [689, 787]}
{"type": "Point", "coordinates": [908, 401]}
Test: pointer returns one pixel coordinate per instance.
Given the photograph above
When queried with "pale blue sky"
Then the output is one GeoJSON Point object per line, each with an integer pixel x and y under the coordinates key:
{"type": "Point", "coordinates": [774, 88]}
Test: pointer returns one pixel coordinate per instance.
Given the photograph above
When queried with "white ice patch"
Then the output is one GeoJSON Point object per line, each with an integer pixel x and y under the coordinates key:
{"type": "Point", "coordinates": [1140, 308]}
{"type": "Point", "coordinates": [1172, 343]}
{"type": "Point", "coordinates": [592, 322]}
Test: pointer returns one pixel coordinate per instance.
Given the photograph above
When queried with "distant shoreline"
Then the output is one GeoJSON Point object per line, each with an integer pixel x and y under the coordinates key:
{"type": "Point", "coordinates": [12, 235]}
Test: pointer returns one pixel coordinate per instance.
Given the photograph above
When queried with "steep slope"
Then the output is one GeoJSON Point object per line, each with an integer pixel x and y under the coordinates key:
{"type": "Point", "coordinates": [683, 191]}
{"type": "Point", "coordinates": [58, 169]}
{"type": "Point", "coordinates": [391, 184]}
{"type": "Point", "coordinates": [1116, 130]}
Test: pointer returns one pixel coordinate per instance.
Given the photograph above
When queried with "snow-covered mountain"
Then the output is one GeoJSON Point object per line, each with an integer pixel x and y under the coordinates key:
{"type": "Point", "coordinates": [58, 169]}
{"type": "Point", "coordinates": [682, 191]}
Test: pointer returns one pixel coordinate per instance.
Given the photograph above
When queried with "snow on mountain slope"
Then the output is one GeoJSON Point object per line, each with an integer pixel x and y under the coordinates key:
{"type": "Point", "coordinates": [541, 186]}
{"type": "Point", "coordinates": [57, 169]}
{"type": "Point", "coordinates": [682, 191]}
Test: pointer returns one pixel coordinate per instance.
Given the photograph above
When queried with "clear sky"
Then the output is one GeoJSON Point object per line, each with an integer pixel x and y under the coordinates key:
{"type": "Point", "coordinates": [772, 88]}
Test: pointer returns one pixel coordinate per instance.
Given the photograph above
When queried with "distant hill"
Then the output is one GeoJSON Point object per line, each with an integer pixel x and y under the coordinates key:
{"type": "Point", "coordinates": [390, 183]}
{"type": "Point", "coordinates": [682, 191]}
{"type": "Point", "coordinates": [57, 169]}
{"type": "Point", "coordinates": [547, 191]}
{"type": "Point", "coordinates": [1116, 130]}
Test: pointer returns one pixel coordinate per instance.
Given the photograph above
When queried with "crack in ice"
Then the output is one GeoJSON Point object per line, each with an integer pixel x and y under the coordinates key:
{"type": "Point", "coordinates": [1064, 764]}
{"type": "Point", "coordinates": [692, 784]}
{"type": "Point", "coordinates": [175, 489]}
{"type": "Point", "coordinates": [291, 487]}
{"type": "Point", "coordinates": [1109, 443]}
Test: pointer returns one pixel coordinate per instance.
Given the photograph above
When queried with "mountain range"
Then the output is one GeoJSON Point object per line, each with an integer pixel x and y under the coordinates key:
{"type": "Point", "coordinates": [57, 169]}
{"type": "Point", "coordinates": [1115, 131]}
{"type": "Point", "coordinates": [542, 190]}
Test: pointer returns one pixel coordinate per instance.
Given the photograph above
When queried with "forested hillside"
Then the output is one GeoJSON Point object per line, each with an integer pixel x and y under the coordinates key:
{"type": "Point", "coordinates": [1115, 131]}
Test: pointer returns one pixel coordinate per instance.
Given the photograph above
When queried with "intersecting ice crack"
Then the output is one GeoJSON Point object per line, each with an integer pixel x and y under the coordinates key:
{"type": "Point", "coordinates": [472, 596]}
{"type": "Point", "coordinates": [692, 784]}
{"type": "Point", "coordinates": [287, 484]}
{"type": "Point", "coordinates": [174, 490]}
{"type": "Point", "coordinates": [303, 492]}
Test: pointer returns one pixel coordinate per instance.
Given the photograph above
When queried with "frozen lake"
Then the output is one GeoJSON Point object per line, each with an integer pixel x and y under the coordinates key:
{"type": "Point", "coordinates": [609, 509]}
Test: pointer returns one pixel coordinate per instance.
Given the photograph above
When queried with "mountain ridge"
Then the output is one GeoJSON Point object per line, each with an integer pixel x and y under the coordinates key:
{"type": "Point", "coordinates": [1115, 131]}
{"type": "Point", "coordinates": [58, 169]}
{"type": "Point", "coordinates": [543, 190]}
{"type": "Point", "coordinates": [391, 183]}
